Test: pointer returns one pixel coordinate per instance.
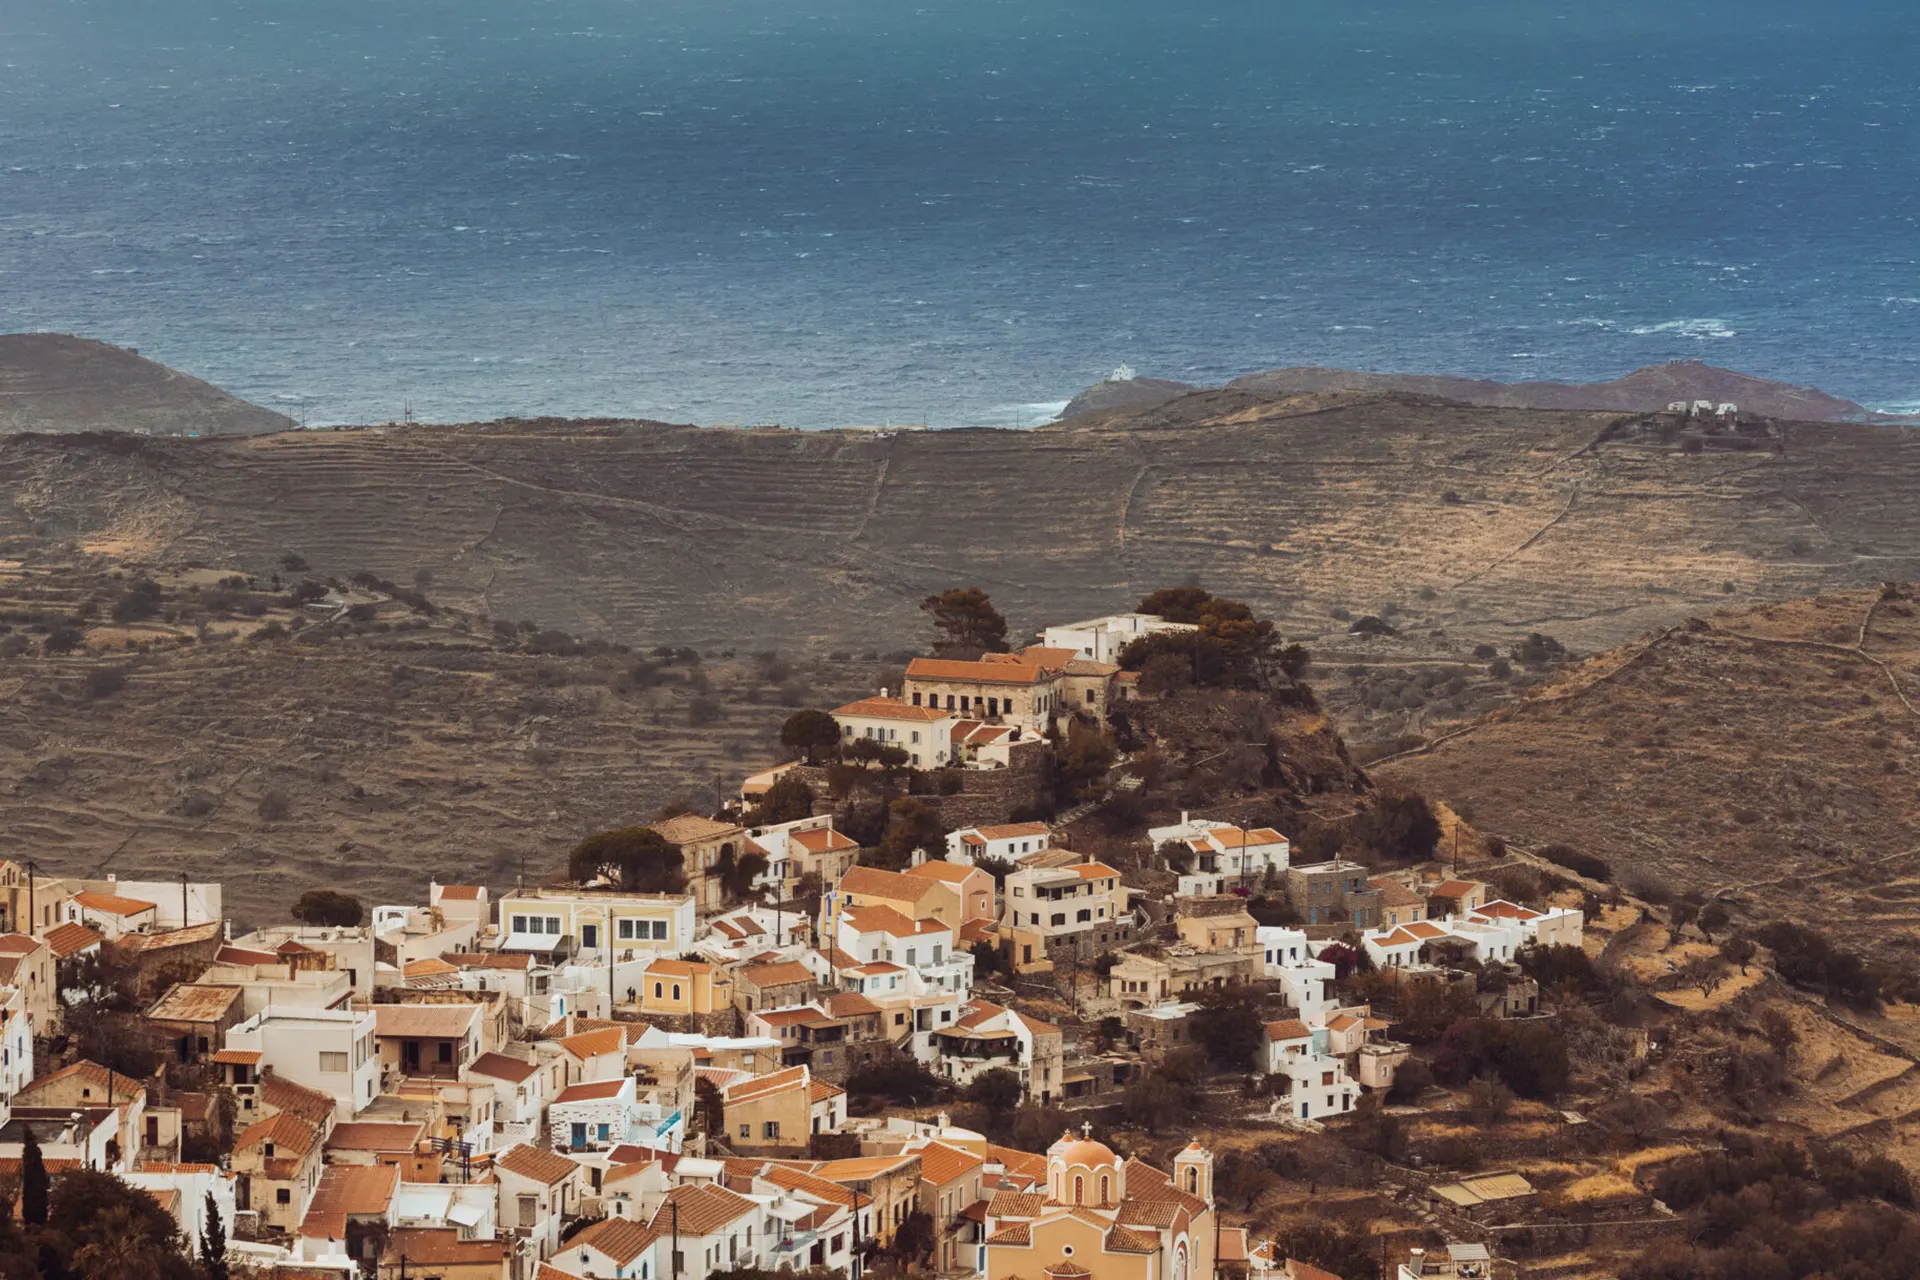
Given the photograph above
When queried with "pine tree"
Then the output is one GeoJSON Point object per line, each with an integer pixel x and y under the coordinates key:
{"type": "Point", "coordinates": [33, 1182]}
{"type": "Point", "coordinates": [213, 1243]}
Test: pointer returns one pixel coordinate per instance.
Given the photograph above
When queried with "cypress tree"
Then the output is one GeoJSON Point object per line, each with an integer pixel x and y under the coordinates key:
{"type": "Point", "coordinates": [33, 1182]}
{"type": "Point", "coordinates": [213, 1243]}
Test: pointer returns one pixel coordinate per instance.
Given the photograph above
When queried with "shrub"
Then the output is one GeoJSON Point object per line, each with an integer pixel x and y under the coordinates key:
{"type": "Point", "coordinates": [274, 806]}
{"type": "Point", "coordinates": [62, 639]}
{"type": "Point", "coordinates": [328, 907]}
{"type": "Point", "coordinates": [1584, 864]}
{"type": "Point", "coordinates": [140, 601]}
{"type": "Point", "coordinates": [104, 682]}
{"type": "Point", "coordinates": [704, 711]}
{"type": "Point", "coordinates": [1528, 1057]}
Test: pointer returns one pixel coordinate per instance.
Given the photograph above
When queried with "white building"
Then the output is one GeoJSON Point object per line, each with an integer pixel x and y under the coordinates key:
{"type": "Point", "coordinates": [539, 1191]}
{"type": "Point", "coordinates": [925, 734]}
{"type": "Point", "coordinates": [1102, 639]}
{"type": "Point", "coordinates": [568, 922]}
{"type": "Point", "coordinates": [1289, 958]}
{"type": "Point", "coordinates": [718, 1229]}
{"type": "Point", "coordinates": [1317, 1086]}
{"type": "Point", "coordinates": [596, 1115]}
{"type": "Point", "coordinates": [1235, 855]}
{"type": "Point", "coordinates": [1009, 842]}
{"type": "Point", "coordinates": [881, 935]}
{"type": "Point", "coordinates": [331, 1050]}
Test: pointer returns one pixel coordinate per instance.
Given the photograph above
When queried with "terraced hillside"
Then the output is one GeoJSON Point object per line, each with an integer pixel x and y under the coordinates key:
{"type": "Point", "coordinates": [278, 752]}
{"type": "Point", "coordinates": [1771, 754]}
{"type": "Point", "coordinates": [1484, 523]}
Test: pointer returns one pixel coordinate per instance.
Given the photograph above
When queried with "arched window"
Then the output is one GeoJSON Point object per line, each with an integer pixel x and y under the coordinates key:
{"type": "Point", "coordinates": [1106, 1189]}
{"type": "Point", "coordinates": [1193, 1180]}
{"type": "Point", "coordinates": [676, 991]}
{"type": "Point", "coordinates": [658, 988]}
{"type": "Point", "coordinates": [1079, 1189]}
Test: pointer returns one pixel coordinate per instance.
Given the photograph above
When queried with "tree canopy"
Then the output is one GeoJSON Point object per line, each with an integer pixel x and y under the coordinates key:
{"type": "Point", "coordinates": [788, 800]}
{"type": "Point", "coordinates": [965, 622]}
{"type": "Point", "coordinates": [811, 733]}
{"type": "Point", "coordinates": [329, 907]}
{"type": "Point", "coordinates": [636, 859]}
{"type": "Point", "coordinates": [1231, 646]}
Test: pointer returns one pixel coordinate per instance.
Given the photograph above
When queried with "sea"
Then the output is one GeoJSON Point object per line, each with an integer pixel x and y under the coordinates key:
{"type": "Point", "coordinates": [954, 212]}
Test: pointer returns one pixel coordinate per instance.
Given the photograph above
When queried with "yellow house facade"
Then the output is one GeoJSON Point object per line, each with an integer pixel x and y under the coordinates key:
{"type": "Point", "coordinates": [684, 987]}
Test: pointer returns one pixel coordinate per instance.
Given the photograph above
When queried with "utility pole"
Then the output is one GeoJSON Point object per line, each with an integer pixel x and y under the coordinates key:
{"type": "Point", "coordinates": [33, 918]}
{"type": "Point", "coordinates": [184, 922]}
{"type": "Point", "coordinates": [673, 1208]}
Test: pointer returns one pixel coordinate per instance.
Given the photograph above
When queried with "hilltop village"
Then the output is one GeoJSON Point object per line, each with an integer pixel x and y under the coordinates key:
{"type": "Point", "coordinates": [946, 991]}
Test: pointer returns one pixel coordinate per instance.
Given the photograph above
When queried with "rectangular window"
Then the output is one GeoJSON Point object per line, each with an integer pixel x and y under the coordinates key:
{"type": "Point", "coordinates": [333, 1063]}
{"type": "Point", "coordinates": [916, 699]}
{"type": "Point", "coordinates": [746, 1131]}
{"type": "Point", "coordinates": [446, 1051]}
{"type": "Point", "coordinates": [625, 930]}
{"type": "Point", "coordinates": [282, 1195]}
{"type": "Point", "coordinates": [519, 925]}
{"type": "Point", "coordinates": [771, 1129]}
{"type": "Point", "coordinates": [660, 930]}
{"type": "Point", "coordinates": [916, 735]}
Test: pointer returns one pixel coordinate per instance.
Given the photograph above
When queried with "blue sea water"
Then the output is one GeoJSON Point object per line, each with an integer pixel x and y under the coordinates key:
{"type": "Point", "coordinates": [822, 212]}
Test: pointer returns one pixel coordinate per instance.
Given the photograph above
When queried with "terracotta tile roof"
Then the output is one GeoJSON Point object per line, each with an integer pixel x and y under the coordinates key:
{"type": "Point", "coordinates": [703, 1209]}
{"type": "Point", "coordinates": [691, 827]}
{"type": "Point", "coordinates": [888, 709]}
{"type": "Point", "coordinates": [238, 1057]}
{"type": "Point", "coordinates": [191, 1002]}
{"type": "Point", "coordinates": [679, 968]}
{"type": "Point", "coordinates": [621, 1239]}
{"type": "Point", "coordinates": [591, 1044]}
{"type": "Point", "coordinates": [1096, 871]}
{"type": "Point", "coordinates": [823, 840]}
{"type": "Point", "coordinates": [18, 944]}
{"type": "Point", "coordinates": [1122, 1239]}
{"type": "Point", "coordinates": [244, 955]}
{"type": "Point", "coordinates": [879, 919]}
{"type": "Point", "coordinates": [1398, 938]}
{"type": "Point", "coordinates": [1343, 1022]}
{"type": "Point", "coordinates": [372, 1135]}
{"type": "Point", "coordinates": [872, 882]}
{"type": "Point", "coordinates": [1024, 1163]}
{"type": "Point", "coordinates": [10, 1165]}
{"type": "Point", "coordinates": [536, 1164]}
{"type": "Point", "coordinates": [1425, 929]}
{"type": "Point", "coordinates": [861, 1168]}
{"type": "Point", "coordinates": [1012, 1233]}
{"type": "Point", "coordinates": [124, 1088]}
{"type": "Point", "coordinates": [71, 939]}
{"type": "Point", "coordinates": [112, 904]}
{"type": "Point", "coordinates": [781, 1175]}
{"type": "Point", "coordinates": [945, 872]}
{"type": "Point", "coordinates": [1015, 830]}
{"type": "Point", "coordinates": [791, 1016]}
{"type": "Point", "coordinates": [1504, 910]}
{"type": "Point", "coordinates": [190, 936]}
{"type": "Point", "coordinates": [170, 1166]}
{"type": "Point", "coordinates": [763, 1086]}
{"type": "Point", "coordinates": [431, 1021]}
{"type": "Point", "coordinates": [850, 1004]}
{"type": "Point", "coordinates": [461, 892]}
{"type": "Point", "coordinates": [941, 1164]}
{"type": "Point", "coordinates": [1452, 889]}
{"type": "Point", "coordinates": [1288, 1029]}
{"type": "Point", "coordinates": [1398, 895]}
{"type": "Point", "coordinates": [442, 1246]}
{"type": "Point", "coordinates": [782, 974]}
{"type": "Point", "coordinates": [291, 1137]}
{"type": "Point", "coordinates": [311, 1105]}
{"type": "Point", "coordinates": [429, 967]}
{"type": "Point", "coordinates": [593, 1091]}
{"type": "Point", "coordinates": [942, 669]}
{"type": "Point", "coordinates": [349, 1190]}
{"type": "Point", "coordinates": [822, 1091]}
{"type": "Point", "coordinates": [500, 1066]}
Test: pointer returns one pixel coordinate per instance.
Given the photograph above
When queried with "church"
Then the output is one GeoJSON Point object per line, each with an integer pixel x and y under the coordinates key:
{"type": "Point", "coordinates": [1101, 1218]}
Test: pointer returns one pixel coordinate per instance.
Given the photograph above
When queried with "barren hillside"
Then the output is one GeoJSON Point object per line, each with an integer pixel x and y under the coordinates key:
{"type": "Point", "coordinates": [1771, 753]}
{"type": "Point", "coordinates": [367, 755]}
{"type": "Point", "coordinates": [1482, 524]}
{"type": "Point", "coordinates": [55, 382]}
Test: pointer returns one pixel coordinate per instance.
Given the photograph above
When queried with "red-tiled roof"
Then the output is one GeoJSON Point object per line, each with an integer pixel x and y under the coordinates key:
{"type": "Point", "coordinates": [536, 1164]}
{"type": "Point", "coordinates": [945, 670]}
{"type": "Point", "coordinates": [112, 904]}
{"type": "Point", "coordinates": [888, 709]}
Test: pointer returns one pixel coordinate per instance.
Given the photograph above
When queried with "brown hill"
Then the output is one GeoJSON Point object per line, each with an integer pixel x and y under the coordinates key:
{"type": "Point", "coordinates": [1483, 524]}
{"type": "Point", "coordinates": [56, 382]}
{"type": "Point", "coordinates": [1767, 752]}
{"type": "Point", "coordinates": [1642, 391]}
{"type": "Point", "coordinates": [361, 754]}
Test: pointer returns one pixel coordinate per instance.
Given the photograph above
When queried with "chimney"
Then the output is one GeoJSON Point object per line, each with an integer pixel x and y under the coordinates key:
{"type": "Point", "coordinates": [1416, 1259]}
{"type": "Point", "coordinates": [1185, 817]}
{"type": "Point", "coordinates": [883, 691]}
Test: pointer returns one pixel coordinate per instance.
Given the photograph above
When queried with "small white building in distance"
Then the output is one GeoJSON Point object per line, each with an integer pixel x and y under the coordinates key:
{"type": "Point", "coordinates": [1224, 850]}
{"type": "Point", "coordinates": [1102, 639]}
{"type": "Point", "coordinates": [1010, 842]}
